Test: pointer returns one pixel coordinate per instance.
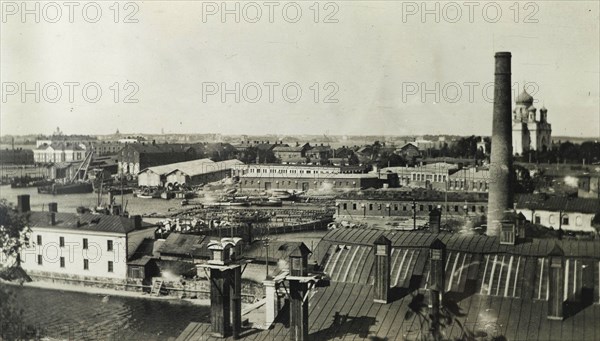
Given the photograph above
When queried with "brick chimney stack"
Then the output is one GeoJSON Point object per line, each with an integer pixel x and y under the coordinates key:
{"type": "Point", "coordinates": [500, 194]}
{"type": "Point", "coordinates": [23, 205]}
{"type": "Point", "coordinates": [383, 248]}
{"type": "Point", "coordinates": [556, 284]}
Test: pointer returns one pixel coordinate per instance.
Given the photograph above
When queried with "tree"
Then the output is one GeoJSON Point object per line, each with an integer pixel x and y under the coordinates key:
{"type": "Point", "coordinates": [13, 237]}
{"type": "Point", "coordinates": [13, 233]}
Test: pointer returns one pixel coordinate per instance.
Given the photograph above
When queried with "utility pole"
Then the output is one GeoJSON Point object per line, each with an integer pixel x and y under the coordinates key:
{"type": "Point", "coordinates": [414, 207]}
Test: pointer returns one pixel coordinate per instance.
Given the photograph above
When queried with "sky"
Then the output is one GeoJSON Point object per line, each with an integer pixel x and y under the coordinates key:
{"type": "Point", "coordinates": [304, 67]}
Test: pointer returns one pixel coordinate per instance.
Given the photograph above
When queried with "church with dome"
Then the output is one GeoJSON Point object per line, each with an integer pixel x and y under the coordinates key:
{"type": "Point", "coordinates": [530, 131]}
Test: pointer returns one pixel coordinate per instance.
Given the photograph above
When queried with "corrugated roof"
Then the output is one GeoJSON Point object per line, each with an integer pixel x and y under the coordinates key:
{"type": "Point", "coordinates": [183, 166]}
{"type": "Point", "coordinates": [556, 203]}
{"type": "Point", "coordinates": [348, 312]}
{"type": "Point", "coordinates": [87, 222]}
{"type": "Point", "coordinates": [194, 167]}
{"type": "Point", "coordinates": [479, 298]}
{"type": "Point", "coordinates": [465, 243]}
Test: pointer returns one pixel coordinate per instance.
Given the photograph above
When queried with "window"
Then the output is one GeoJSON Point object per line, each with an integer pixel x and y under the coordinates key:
{"type": "Point", "coordinates": [395, 207]}
{"type": "Point", "coordinates": [421, 207]}
{"type": "Point", "coordinates": [61, 241]}
{"type": "Point", "coordinates": [345, 206]}
{"type": "Point", "coordinates": [474, 208]}
{"type": "Point", "coordinates": [109, 245]}
{"type": "Point", "coordinates": [86, 264]}
{"type": "Point", "coordinates": [370, 207]}
{"type": "Point", "coordinates": [455, 208]}
{"type": "Point", "coordinates": [403, 207]}
{"type": "Point", "coordinates": [565, 220]}
{"type": "Point", "coordinates": [430, 207]}
{"type": "Point", "coordinates": [110, 266]}
{"type": "Point", "coordinates": [39, 240]}
{"type": "Point", "coordinates": [40, 259]}
{"type": "Point", "coordinates": [85, 243]}
{"type": "Point", "coordinates": [62, 262]}
{"type": "Point", "coordinates": [354, 206]}
{"type": "Point", "coordinates": [379, 207]}
{"type": "Point", "coordinates": [537, 219]}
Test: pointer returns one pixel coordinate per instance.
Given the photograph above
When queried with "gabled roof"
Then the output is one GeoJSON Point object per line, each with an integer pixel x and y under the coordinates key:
{"type": "Point", "coordinates": [409, 145]}
{"type": "Point", "coordinates": [558, 203]}
{"type": "Point", "coordinates": [265, 146]}
{"type": "Point", "coordinates": [84, 222]}
{"type": "Point", "coordinates": [187, 167]}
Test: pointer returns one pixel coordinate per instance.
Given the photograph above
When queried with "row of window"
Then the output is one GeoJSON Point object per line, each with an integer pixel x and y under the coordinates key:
{"type": "Point", "coordinates": [290, 171]}
{"type": "Point", "coordinates": [86, 263]}
{"type": "Point", "coordinates": [419, 207]}
{"type": "Point", "coordinates": [428, 177]}
{"type": "Point", "coordinates": [552, 219]}
{"type": "Point", "coordinates": [475, 185]}
{"type": "Point", "coordinates": [61, 243]}
{"type": "Point", "coordinates": [289, 182]}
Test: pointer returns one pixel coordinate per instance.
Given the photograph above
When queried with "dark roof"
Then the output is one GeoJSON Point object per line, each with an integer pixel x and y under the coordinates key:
{"type": "Point", "coordinates": [488, 285]}
{"type": "Point", "coordinates": [281, 148]}
{"type": "Point", "coordinates": [84, 222]}
{"type": "Point", "coordinates": [265, 146]}
{"type": "Point", "coordinates": [321, 148]}
{"type": "Point", "coordinates": [158, 148]}
{"type": "Point", "coordinates": [558, 203]}
{"type": "Point", "coordinates": [140, 261]}
{"type": "Point", "coordinates": [185, 245]}
{"type": "Point", "coordinates": [459, 242]}
{"type": "Point", "coordinates": [332, 315]}
{"type": "Point", "coordinates": [145, 249]}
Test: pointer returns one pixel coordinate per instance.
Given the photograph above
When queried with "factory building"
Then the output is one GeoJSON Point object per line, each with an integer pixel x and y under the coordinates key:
{"type": "Point", "coordinates": [308, 177]}
{"type": "Point", "coordinates": [405, 204]}
{"type": "Point", "coordinates": [192, 173]}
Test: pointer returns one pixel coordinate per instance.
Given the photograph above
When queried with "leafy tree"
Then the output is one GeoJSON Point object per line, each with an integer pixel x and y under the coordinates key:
{"type": "Point", "coordinates": [13, 233]}
{"type": "Point", "coordinates": [13, 237]}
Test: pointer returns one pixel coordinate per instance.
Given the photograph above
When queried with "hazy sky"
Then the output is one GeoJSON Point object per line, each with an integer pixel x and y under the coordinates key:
{"type": "Point", "coordinates": [382, 62]}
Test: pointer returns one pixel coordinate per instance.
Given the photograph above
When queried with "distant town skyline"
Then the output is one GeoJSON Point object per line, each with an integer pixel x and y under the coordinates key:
{"type": "Point", "coordinates": [379, 70]}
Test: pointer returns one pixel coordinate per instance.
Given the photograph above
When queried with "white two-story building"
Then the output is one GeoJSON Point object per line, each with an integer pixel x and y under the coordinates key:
{"type": "Point", "coordinates": [565, 213]}
{"type": "Point", "coordinates": [69, 246]}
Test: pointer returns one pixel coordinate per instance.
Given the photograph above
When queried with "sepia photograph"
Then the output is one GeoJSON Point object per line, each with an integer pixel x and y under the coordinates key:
{"type": "Point", "coordinates": [377, 170]}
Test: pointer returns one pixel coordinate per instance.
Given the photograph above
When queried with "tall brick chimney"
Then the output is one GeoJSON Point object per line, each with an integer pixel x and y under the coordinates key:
{"type": "Point", "coordinates": [500, 195]}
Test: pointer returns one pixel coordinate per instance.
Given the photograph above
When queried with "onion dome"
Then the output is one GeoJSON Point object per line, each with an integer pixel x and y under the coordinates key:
{"type": "Point", "coordinates": [525, 98]}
